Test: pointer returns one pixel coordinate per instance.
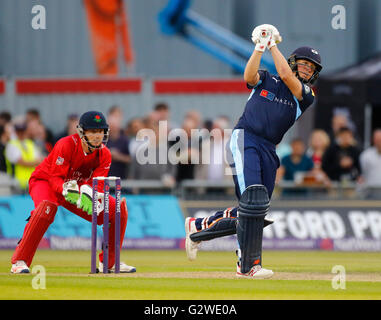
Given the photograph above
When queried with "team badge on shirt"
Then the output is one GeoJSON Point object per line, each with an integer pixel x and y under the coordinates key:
{"type": "Point", "coordinates": [60, 161]}
{"type": "Point", "coordinates": [267, 94]}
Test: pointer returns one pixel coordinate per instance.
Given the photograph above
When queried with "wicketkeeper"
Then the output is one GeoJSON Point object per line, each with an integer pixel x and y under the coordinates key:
{"type": "Point", "coordinates": [276, 102]}
{"type": "Point", "coordinates": [64, 178]}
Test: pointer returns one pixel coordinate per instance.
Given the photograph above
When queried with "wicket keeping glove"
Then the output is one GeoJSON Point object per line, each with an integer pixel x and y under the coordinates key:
{"type": "Point", "coordinates": [261, 37]}
{"type": "Point", "coordinates": [85, 201]}
{"type": "Point", "coordinates": [71, 191]}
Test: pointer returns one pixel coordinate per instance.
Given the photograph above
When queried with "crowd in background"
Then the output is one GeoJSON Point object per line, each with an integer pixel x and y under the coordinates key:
{"type": "Point", "coordinates": [326, 158]}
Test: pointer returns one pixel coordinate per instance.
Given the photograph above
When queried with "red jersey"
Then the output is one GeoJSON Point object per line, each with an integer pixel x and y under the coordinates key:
{"type": "Point", "coordinates": [68, 161]}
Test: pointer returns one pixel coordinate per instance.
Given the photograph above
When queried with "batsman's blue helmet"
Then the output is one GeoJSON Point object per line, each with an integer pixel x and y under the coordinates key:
{"type": "Point", "coordinates": [309, 54]}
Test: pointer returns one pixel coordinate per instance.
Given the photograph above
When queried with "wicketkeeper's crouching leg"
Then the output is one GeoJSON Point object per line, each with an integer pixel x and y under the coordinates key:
{"type": "Point", "coordinates": [38, 222]}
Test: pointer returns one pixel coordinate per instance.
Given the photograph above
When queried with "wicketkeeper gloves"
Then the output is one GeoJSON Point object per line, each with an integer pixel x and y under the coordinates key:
{"type": "Point", "coordinates": [71, 191]}
{"type": "Point", "coordinates": [82, 197]}
{"type": "Point", "coordinates": [85, 201]}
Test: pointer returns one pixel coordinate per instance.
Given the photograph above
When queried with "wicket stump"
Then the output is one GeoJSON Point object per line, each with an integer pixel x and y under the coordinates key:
{"type": "Point", "coordinates": [105, 243]}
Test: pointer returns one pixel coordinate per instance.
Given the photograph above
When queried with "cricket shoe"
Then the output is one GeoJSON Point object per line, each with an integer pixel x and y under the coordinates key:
{"type": "Point", "coordinates": [191, 247]}
{"type": "Point", "coordinates": [20, 267]}
{"type": "Point", "coordinates": [124, 268]}
{"type": "Point", "coordinates": [256, 272]}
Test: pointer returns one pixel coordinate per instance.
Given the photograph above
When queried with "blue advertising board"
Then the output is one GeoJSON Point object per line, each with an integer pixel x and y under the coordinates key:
{"type": "Point", "coordinates": [149, 217]}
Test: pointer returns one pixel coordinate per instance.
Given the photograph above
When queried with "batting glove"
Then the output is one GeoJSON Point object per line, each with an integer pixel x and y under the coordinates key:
{"type": "Point", "coordinates": [85, 201]}
{"type": "Point", "coordinates": [71, 191]}
{"type": "Point", "coordinates": [261, 37]}
{"type": "Point", "coordinates": [276, 37]}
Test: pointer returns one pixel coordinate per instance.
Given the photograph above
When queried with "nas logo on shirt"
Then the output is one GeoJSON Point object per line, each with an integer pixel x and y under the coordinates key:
{"type": "Point", "coordinates": [267, 94]}
{"type": "Point", "coordinates": [271, 96]}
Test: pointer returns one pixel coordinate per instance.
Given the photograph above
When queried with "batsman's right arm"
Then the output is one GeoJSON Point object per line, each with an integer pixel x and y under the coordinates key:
{"type": "Point", "coordinates": [285, 73]}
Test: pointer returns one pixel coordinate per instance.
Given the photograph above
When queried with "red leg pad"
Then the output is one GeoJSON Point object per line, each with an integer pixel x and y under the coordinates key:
{"type": "Point", "coordinates": [41, 218]}
{"type": "Point", "coordinates": [123, 219]}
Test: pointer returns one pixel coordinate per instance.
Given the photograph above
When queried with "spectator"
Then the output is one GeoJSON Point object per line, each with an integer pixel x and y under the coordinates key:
{"type": "Point", "coordinates": [295, 165]}
{"type": "Point", "coordinates": [194, 115]}
{"type": "Point", "coordinates": [338, 121]}
{"type": "Point", "coordinates": [208, 124]}
{"type": "Point", "coordinates": [162, 110]}
{"type": "Point", "coordinates": [147, 163]}
{"type": "Point", "coordinates": [161, 113]}
{"type": "Point", "coordinates": [118, 144]}
{"type": "Point", "coordinates": [37, 132]}
{"type": "Point", "coordinates": [342, 119]}
{"type": "Point", "coordinates": [370, 161]}
{"type": "Point", "coordinates": [22, 156]}
{"type": "Point", "coordinates": [71, 126]}
{"type": "Point", "coordinates": [341, 160]}
{"type": "Point", "coordinates": [5, 117]}
{"type": "Point", "coordinates": [132, 129]}
{"type": "Point", "coordinates": [185, 169]}
{"type": "Point", "coordinates": [34, 114]}
{"type": "Point", "coordinates": [318, 143]}
{"type": "Point", "coordinates": [206, 128]}
{"type": "Point", "coordinates": [5, 136]}
{"type": "Point", "coordinates": [215, 168]}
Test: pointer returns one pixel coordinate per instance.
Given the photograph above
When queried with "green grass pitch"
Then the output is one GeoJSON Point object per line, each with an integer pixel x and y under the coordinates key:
{"type": "Point", "coordinates": [168, 275]}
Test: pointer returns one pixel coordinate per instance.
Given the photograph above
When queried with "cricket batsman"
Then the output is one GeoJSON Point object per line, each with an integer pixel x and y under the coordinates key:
{"type": "Point", "coordinates": [276, 102]}
{"type": "Point", "coordinates": [64, 178]}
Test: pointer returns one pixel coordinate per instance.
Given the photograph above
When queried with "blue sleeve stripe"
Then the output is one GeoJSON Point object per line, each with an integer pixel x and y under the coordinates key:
{"type": "Point", "coordinates": [298, 110]}
{"type": "Point", "coordinates": [238, 160]}
{"type": "Point", "coordinates": [252, 92]}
